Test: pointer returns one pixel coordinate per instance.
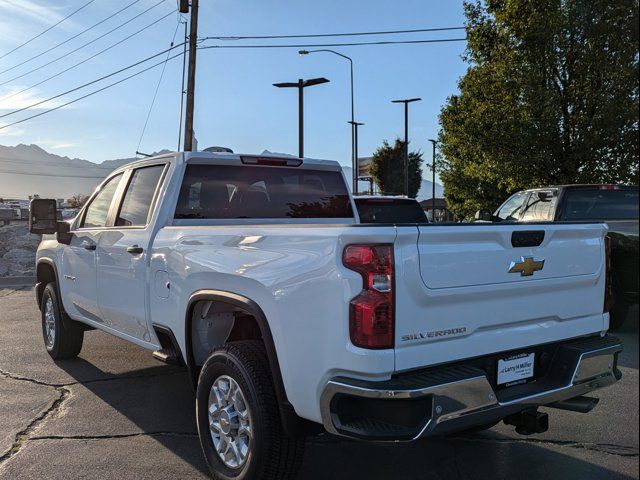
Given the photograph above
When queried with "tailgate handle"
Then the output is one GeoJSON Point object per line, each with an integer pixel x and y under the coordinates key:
{"type": "Point", "coordinates": [527, 238]}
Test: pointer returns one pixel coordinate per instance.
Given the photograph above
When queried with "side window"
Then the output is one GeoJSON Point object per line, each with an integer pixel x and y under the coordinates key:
{"type": "Point", "coordinates": [136, 203]}
{"type": "Point", "coordinates": [98, 209]}
{"type": "Point", "coordinates": [540, 207]}
{"type": "Point", "coordinates": [510, 210]}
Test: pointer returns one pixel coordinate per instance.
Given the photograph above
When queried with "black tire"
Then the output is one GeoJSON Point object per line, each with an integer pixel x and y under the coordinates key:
{"type": "Point", "coordinates": [272, 455]}
{"type": "Point", "coordinates": [68, 334]}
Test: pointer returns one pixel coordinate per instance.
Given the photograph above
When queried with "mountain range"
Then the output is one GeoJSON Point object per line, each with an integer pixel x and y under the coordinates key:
{"type": "Point", "coordinates": [29, 169]}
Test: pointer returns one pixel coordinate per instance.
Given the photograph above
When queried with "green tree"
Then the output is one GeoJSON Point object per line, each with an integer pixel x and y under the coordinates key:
{"type": "Point", "coordinates": [77, 200]}
{"type": "Point", "coordinates": [387, 169]}
{"type": "Point", "coordinates": [550, 97]}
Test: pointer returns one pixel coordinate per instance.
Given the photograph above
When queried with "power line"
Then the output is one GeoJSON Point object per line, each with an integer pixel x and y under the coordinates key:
{"type": "Point", "coordinates": [89, 83]}
{"type": "Point", "coordinates": [153, 100]}
{"type": "Point", "coordinates": [88, 58]}
{"type": "Point", "coordinates": [354, 44]}
{"type": "Point", "coordinates": [47, 29]}
{"type": "Point", "coordinates": [70, 38]}
{"type": "Point", "coordinates": [319, 35]}
{"type": "Point", "coordinates": [89, 94]}
{"type": "Point", "coordinates": [81, 46]}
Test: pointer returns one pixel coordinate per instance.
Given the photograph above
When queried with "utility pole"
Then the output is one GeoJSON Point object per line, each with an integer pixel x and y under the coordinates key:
{"type": "Point", "coordinates": [182, 90]}
{"type": "Point", "coordinates": [406, 102]}
{"type": "Point", "coordinates": [191, 82]}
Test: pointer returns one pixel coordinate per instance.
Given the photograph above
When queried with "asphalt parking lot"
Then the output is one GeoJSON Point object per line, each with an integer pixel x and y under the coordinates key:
{"type": "Point", "coordinates": [116, 413]}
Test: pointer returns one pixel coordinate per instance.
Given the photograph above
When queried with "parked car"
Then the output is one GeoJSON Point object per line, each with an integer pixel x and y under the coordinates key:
{"type": "Point", "coordinates": [292, 316]}
{"type": "Point", "coordinates": [390, 210]}
{"type": "Point", "coordinates": [617, 205]}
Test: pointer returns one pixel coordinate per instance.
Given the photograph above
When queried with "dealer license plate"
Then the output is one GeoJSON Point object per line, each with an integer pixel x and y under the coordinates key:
{"type": "Point", "coordinates": [515, 369]}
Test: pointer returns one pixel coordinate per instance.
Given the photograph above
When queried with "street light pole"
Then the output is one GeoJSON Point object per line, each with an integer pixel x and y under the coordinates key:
{"type": "Point", "coordinates": [354, 128]}
{"type": "Point", "coordinates": [356, 173]}
{"type": "Point", "coordinates": [433, 178]}
{"type": "Point", "coordinates": [300, 118]}
{"type": "Point", "coordinates": [301, 85]}
{"type": "Point", "coordinates": [406, 102]}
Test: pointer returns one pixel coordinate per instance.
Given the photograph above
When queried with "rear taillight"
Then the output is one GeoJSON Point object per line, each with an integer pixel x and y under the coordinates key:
{"type": "Point", "coordinates": [371, 313]}
{"type": "Point", "coordinates": [608, 287]}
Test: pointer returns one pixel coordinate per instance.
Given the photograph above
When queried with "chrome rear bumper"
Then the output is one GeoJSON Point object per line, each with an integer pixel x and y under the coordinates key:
{"type": "Point", "coordinates": [454, 398]}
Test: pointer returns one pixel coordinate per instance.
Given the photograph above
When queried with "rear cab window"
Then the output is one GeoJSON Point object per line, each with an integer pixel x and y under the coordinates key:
{"type": "Point", "coordinates": [390, 210]}
{"type": "Point", "coordinates": [261, 192]}
{"type": "Point", "coordinates": [600, 203]}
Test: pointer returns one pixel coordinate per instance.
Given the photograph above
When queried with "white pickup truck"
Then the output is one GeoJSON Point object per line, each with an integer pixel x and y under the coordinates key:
{"type": "Point", "coordinates": [291, 315]}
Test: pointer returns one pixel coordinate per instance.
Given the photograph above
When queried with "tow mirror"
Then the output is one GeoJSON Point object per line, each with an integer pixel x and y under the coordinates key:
{"type": "Point", "coordinates": [43, 216]}
{"type": "Point", "coordinates": [483, 215]}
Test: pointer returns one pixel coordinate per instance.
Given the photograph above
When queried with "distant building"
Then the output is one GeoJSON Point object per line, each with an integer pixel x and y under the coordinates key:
{"type": "Point", "coordinates": [364, 166]}
{"type": "Point", "coordinates": [439, 212]}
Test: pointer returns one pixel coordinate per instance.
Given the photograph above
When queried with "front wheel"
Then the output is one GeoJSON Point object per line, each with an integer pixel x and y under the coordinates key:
{"type": "Point", "coordinates": [238, 418]}
{"type": "Point", "coordinates": [62, 336]}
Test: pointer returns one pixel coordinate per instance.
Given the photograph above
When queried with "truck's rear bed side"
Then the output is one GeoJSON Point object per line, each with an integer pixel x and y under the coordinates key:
{"type": "Point", "coordinates": [456, 298]}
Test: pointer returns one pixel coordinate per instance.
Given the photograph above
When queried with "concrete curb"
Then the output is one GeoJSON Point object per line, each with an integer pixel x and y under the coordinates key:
{"type": "Point", "coordinates": [17, 281]}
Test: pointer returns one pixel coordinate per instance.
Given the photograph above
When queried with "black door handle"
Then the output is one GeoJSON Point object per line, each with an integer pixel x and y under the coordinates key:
{"type": "Point", "coordinates": [135, 249]}
{"type": "Point", "coordinates": [88, 245]}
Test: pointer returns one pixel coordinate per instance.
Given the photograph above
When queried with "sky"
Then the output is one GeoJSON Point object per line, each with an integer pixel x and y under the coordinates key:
{"type": "Point", "coordinates": [236, 104]}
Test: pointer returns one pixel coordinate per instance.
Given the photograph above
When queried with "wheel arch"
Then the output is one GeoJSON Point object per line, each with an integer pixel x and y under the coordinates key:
{"type": "Point", "coordinates": [46, 272]}
{"type": "Point", "coordinates": [292, 424]}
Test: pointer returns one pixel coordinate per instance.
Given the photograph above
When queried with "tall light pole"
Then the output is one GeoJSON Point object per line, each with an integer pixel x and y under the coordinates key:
{"type": "Point", "coordinates": [354, 128]}
{"type": "Point", "coordinates": [406, 102]}
{"type": "Point", "coordinates": [301, 85]}
{"type": "Point", "coordinates": [356, 172]}
{"type": "Point", "coordinates": [433, 178]}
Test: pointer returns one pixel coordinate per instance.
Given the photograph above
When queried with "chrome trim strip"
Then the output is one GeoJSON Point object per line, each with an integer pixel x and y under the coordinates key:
{"type": "Point", "coordinates": [594, 369]}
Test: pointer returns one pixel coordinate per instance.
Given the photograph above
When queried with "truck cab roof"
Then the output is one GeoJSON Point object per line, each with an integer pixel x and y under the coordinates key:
{"type": "Point", "coordinates": [228, 158]}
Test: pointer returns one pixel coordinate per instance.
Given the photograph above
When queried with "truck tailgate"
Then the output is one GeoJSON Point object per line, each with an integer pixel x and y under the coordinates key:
{"type": "Point", "coordinates": [470, 290]}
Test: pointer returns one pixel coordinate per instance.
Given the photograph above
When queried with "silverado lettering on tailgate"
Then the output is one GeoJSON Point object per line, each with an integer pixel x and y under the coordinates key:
{"type": "Point", "coordinates": [435, 334]}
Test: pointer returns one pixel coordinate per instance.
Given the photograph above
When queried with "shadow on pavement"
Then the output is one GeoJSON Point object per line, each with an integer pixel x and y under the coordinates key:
{"type": "Point", "coordinates": [473, 456]}
{"type": "Point", "coordinates": [156, 399]}
{"type": "Point", "coordinates": [159, 401]}
{"type": "Point", "coordinates": [628, 333]}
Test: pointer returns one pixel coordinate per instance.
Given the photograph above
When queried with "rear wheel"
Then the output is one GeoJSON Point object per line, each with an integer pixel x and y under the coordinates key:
{"type": "Point", "coordinates": [62, 336]}
{"type": "Point", "coordinates": [238, 418]}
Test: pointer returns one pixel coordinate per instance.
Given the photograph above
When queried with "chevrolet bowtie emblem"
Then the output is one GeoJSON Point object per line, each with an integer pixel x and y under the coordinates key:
{"type": "Point", "coordinates": [526, 266]}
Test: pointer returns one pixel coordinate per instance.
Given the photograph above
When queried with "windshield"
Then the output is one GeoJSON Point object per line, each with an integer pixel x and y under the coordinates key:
{"type": "Point", "coordinates": [596, 204]}
{"type": "Point", "coordinates": [510, 210]}
{"type": "Point", "coordinates": [383, 210]}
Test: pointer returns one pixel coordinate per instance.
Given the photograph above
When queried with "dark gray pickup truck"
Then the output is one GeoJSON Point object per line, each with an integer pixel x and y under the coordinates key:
{"type": "Point", "coordinates": [617, 205]}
